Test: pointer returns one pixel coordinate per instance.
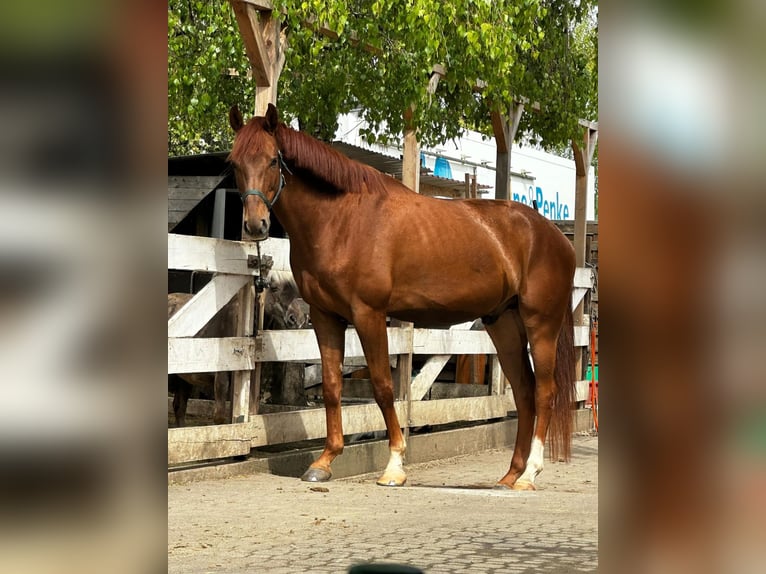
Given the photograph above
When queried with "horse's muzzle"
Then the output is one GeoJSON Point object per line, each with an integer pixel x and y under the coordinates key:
{"type": "Point", "coordinates": [256, 232]}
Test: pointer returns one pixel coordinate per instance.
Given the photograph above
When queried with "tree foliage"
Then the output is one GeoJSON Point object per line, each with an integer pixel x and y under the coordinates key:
{"type": "Point", "coordinates": [380, 63]}
{"type": "Point", "coordinates": [203, 45]}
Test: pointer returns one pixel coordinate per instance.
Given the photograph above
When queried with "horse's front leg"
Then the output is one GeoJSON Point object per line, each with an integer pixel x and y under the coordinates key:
{"type": "Point", "coordinates": [371, 327]}
{"type": "Point", "coordinates": [330, 334]}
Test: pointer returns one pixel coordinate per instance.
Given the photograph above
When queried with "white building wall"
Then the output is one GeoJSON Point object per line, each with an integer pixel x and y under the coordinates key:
{"type": "Point", "coordinates": [538, 175]}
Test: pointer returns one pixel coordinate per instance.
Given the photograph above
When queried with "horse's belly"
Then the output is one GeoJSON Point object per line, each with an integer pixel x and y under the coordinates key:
{"type": "Point", "coordinates": [448, 305]}
{"type": "Point", "coordinates": [431, 318]}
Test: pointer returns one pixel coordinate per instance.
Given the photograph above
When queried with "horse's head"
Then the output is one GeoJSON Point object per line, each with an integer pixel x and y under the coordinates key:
{"type": "Point", "coordinates": [258, 169]}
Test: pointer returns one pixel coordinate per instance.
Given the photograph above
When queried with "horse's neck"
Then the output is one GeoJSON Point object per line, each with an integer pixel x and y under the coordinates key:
{"type": "Point", "coordinates": [306, 215]}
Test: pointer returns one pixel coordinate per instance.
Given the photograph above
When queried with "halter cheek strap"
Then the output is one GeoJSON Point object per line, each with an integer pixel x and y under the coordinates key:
{"type": "Point", "coordinates": [259, 194]}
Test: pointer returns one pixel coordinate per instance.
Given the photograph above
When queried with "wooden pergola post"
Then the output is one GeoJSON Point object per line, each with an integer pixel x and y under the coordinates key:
{"type": "Point", "coordinates": [411, 150]}
{"type": "Point", "coordinates": [265, 47]}
{"type": "Point", "coordinates": [264, 44]}
{"type": "Point", "coordinates": [505, 126]}
{"type": "Point", "coordinates": [583, 156]}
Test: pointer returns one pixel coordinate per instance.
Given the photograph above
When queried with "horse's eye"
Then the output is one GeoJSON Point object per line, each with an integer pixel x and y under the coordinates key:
{"type": "Point", "coordinates": [273, 163]}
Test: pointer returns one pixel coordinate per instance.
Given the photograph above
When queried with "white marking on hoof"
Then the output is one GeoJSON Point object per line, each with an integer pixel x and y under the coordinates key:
{"type": "Point", "coordinates": [394, 474]}
{"type": "Point", "coordinates": [534, 464]}
{"type": "Point", "coordinates": [523, 485]}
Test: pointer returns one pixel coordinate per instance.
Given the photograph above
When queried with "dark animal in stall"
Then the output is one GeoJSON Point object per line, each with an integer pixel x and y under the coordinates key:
{"type": "Point", "coordinates": [284, 309]}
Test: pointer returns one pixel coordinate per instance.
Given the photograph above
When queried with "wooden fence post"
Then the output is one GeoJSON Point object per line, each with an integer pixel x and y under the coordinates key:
{"type": "Point", "coordinates": [402, 374]}
{"type": "Point", "coordinates": [240, 380]}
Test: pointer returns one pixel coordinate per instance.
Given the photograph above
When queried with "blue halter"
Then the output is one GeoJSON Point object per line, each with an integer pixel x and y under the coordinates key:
{"type": "Point", "coordinates": [259, 194]}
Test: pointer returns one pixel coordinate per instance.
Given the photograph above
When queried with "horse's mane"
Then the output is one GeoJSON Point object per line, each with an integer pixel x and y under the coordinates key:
{"type": "Point", "coordinates": [326, 163]}
{"type": "Point", "coordinates": [304, 153]}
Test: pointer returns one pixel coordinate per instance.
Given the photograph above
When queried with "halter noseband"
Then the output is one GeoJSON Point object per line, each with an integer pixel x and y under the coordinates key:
{"type": "Point", "coordinates": [259, 194]}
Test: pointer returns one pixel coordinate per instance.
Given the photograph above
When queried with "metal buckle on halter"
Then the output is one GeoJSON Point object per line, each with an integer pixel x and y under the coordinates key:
{"type": "Point", "coordinates": [259, 194]}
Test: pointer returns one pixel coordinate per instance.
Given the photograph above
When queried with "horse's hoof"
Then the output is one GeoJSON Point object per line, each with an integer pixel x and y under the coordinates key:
{"type": "Point", "coordinates": [523, 485]}
{"type": "Point", "coordinates": [381, 482]}
{"type": "Point", "coordinates": [392, 479]}
{"type": "Point", "coordinates": [316, 475]}
{"type": "Point", "coordinates": [501, 486]}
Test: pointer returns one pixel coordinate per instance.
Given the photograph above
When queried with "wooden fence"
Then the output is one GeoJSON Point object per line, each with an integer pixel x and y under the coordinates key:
{"type": "Point", "coordinates": [235, 264]}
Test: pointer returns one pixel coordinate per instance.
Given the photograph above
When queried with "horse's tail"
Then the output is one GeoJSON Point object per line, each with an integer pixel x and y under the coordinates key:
{"type": "Point", "coordinates": [560, 428]}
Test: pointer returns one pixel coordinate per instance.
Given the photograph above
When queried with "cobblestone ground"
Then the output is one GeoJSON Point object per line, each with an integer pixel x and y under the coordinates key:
{"type": "Point", "coordinates": [446, 520]}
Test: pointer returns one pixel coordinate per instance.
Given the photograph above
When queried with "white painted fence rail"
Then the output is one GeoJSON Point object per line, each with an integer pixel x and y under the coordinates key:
{"type": "Point", "coordinates": [234, 265]}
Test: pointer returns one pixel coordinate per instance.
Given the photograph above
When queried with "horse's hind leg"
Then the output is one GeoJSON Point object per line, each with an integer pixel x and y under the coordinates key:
{"type": "Point", "coordinates": [330, 335]}
{"type": "Point", "coordinates": [543, 330]}
{"type": "Point", "coordinates": [509, 337]}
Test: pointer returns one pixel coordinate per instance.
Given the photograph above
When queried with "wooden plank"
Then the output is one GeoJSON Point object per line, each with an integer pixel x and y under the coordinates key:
{"type": "Point", "coordinates": [441, 342]}
{"type": "Point", "coordinates": [192, 317]}
{"type": "Point", "coordinates": [567, 226]}
{"type": "Point", "coordinates": [427, 375]}
{"type": "Point", "coordinates": [456, 391]}
{"type": "Point", "coordinates": [583, 277]}
{"type": "Point", "coordinates": [199, 443]}
{"type": "Point", "coordinates": [578, 293]}
{"type": "Point", "coordinates": [204, 443]}
{"type": "Point", "coordinates": [581, 335]}
{"type": "Point", "coordinates": [451, 410]}
{"type": "Point", "coordinates": [191, 253]}
{"type": "Point", "coordinates": [198, 407]}
{"type": "Point", "coordinates": [279, 250]}
{"type": "Point", "coordinates": [300, 345]}
{"type": "Point", "coordinates": [208, 182]}
{"type": "Point", "coordinates": [190, 355]}
{"type": "Point", "coordinates": [582, 390]}
{"type": "Point", "coordinates": [184, 203]}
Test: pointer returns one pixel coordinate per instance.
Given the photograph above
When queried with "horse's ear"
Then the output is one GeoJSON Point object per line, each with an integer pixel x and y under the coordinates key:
{"type": "Point", "coordinates": [272, 118]}
{"type": "Point", "coordinates": [235, 118]}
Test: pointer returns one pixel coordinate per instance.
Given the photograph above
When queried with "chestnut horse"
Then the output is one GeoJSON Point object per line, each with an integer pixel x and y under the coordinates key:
{"type": "Point", "coordinates": [363, 246]}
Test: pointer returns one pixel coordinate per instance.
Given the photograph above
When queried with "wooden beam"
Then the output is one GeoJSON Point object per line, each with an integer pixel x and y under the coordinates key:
{"type": "Point", "coordinates": [427, 375]}
{"type": "Point", "coordinates": [192, 317]}
{"type": "Point", "coordinates": [441, 342]}
{"type": "Point", "coordinates": [191, 355]}
{"type": "Point", "coordinates": [193, 253]}
{"type": "Point", "coordinates": [200, 443]}
{"type": "Point", "coordinates": [274, 41]}
{"type": "Point", "coordinates": [249, 22]}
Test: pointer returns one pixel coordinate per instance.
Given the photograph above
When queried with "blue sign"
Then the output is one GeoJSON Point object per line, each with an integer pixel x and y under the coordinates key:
{"type": "Point", "coordinates": [552, 207]}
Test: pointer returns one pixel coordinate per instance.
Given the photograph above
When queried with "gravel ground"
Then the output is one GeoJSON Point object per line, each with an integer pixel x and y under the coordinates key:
{"type": "Point", "coordinates": [447, 519]}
